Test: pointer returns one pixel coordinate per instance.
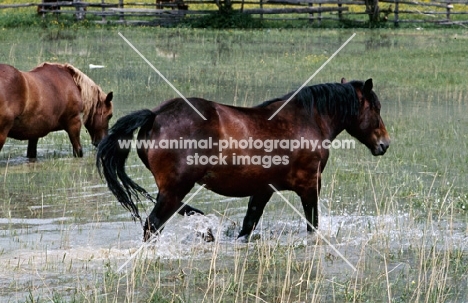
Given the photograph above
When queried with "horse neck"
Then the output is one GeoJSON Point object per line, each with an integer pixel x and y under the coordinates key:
{"type": "Point", "coordinates": [330, 126]}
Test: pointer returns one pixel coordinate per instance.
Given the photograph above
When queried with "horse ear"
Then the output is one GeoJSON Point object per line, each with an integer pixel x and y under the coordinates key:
{"type": "Point", "coordinates": [343, 81]}
{"type": "Point", "coordinates": [368, 85]}
{"type": "Point", "coordinates": [109, 97]}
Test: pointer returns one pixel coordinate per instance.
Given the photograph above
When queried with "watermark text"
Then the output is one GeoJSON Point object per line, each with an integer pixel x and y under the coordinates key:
{"type": "Point", "coordinates": [232, 151]}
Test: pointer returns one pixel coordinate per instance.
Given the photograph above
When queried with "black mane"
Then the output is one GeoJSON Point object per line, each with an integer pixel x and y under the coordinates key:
{"type": "Point", "coordinates": [330, 98]}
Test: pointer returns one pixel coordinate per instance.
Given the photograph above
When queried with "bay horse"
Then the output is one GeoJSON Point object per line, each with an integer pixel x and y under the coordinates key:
{"type": "Point", "coordinates": [318, 113]}
{"type": "Point", "coordinates": [51, 97]}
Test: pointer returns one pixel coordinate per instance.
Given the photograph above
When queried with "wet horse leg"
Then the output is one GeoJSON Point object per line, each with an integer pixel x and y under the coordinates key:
{"type": "Point", "coordinates": [309, 199]}
{"type": "Point", "coordinates": [32, 148]}
{"type": "Point", "coordinates": [73, 130]}
{"type": "Point", "coordinates": [255, 209]}
{"type": "Point", "coordinates": [168, 202]}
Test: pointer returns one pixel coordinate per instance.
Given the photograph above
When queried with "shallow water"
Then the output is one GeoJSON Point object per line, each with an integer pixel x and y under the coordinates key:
{"type": "Point", "coordinates": [51, 255]}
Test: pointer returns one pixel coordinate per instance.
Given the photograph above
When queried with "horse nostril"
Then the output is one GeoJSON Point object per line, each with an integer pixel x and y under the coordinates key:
{"type": "Point", "coordinates": [383, 146]}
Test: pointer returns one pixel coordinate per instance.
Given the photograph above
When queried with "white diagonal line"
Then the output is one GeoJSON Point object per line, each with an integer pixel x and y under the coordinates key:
{"type": "Point", "coordinates": [146, 244]}
{"type": "Point", "coordinates": [162, 76]}
{"type": "Point", "coordinates": [318, 233]}
{"type": "Point", "coordinates": [311, 77]}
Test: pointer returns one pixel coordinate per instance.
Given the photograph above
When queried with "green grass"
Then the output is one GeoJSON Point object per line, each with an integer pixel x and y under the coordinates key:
{"type": "Point", "coordinates": [402, 218]}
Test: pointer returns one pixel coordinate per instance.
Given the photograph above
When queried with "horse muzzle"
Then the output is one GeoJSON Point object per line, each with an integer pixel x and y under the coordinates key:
{"type": "Point", "coordinates": [96, 139]}
{"type": "Point", "coordinates": [381, 147]}
{"type": "Point", "coordinates": [96, 142]}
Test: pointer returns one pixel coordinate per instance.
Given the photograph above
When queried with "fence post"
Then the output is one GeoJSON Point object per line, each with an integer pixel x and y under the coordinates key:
{"type": "Point", "coordinates": [449, 8]}
{"type": "Point", "coordinates": [396, 21]}
{"type": "Point", "coordinates": [121, 6]}
{"type": "Point", "coordinates": [311, 15]}
{"type": "Point", "coordinates": [340, 13]}
{"type": "Point", "coordinates": [320, 14]}
{"type": "Point", "coordinates": [80, 14]}
{"type": "Point", "coordinates": [261, 7]}
{"type": "Point", "coordinates": [41, 8]}
{"type": "Point", "coordinates": [103, 9]}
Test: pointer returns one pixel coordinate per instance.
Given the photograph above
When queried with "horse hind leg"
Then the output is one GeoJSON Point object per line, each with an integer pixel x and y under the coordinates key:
{"type": "Point", "coordinates": [168, 202]}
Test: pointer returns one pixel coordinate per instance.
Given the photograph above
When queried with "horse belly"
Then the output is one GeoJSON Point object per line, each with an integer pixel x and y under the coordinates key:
{"type": "Point", "coordinates": [242, 181]}
{"type": "Point", "coordinates": [25, 128]}
{"type": "Point", "coordinates": [20, 133]}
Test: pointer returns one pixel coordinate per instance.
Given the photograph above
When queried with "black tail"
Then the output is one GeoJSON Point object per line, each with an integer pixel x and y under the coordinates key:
{"type": "Point", "coordinates": [111, 157]}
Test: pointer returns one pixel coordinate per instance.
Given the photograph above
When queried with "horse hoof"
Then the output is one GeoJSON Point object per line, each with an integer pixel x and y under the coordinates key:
{"type": "Point", "coordinates": [248, 238]}
{"type": "Point", "coordinates": [207, 236]}
{"type": "Point", "coordinates": [255, 237]}
{"type": "Point", "coordinates": [243, 239]}
{"type": "Point", "coordinates": [148, 236]}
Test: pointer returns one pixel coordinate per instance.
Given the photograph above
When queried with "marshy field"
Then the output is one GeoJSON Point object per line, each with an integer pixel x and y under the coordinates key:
{"type": "Point", "coordinates": [392, 228]}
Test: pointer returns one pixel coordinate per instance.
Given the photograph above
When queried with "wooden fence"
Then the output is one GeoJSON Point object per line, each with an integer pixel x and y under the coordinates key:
{"type": "Point", "coordinates": [162, 12]}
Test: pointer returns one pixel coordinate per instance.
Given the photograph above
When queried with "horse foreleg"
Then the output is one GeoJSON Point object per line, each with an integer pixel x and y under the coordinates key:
{"type": "Point", "coordinates": [309, 201]}
{"type": "Point", "coordinates": [32, 148]}
{"type": "Point", "coordinates": [73, 131]}
{"type": "Point", "coordinates": [5, 125]}
{"type": "Point", "coordinates": [255, 209]}
{"type": "Point", "coordinates": [2, 140]}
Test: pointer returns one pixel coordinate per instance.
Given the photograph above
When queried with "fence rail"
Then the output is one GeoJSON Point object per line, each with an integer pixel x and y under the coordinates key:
{"type": "Point", "coordinates": [160, 12]}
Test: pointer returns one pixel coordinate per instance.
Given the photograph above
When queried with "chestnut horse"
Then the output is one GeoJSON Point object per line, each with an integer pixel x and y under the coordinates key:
{"type": "Point", "coordinates": [51, 97]}
{"type": "Point", "coordinates": [316, 114]}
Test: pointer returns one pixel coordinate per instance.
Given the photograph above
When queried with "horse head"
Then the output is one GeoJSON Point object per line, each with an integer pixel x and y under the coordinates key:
{"type": "Point", "coordinates": [97, 105]}
{"type": "Point", "coordinates": [97, 123]}
{"type": "Point", "coordinates": [368, 126]}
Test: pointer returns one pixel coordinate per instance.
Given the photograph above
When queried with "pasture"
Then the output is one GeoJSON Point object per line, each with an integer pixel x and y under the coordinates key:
{"type": "Point", "coordinates": [400, 220]}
